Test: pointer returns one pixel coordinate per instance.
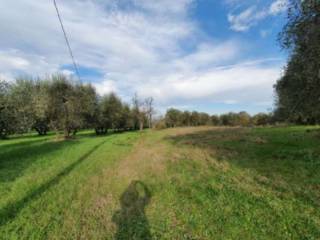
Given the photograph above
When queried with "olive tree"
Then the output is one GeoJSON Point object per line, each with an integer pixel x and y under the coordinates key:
{"type": "Point", "coordinates": [65, 112]}
{"type": "Point", "coordinates": [7, 118]}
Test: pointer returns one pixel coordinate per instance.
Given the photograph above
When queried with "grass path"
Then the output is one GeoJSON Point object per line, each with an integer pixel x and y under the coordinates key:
{"type": "Point", "coordinates": [187, 183]}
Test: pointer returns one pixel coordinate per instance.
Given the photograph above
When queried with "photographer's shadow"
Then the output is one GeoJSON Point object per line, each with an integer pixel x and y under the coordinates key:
{"type": "Point", "coordinates": [131, 220]}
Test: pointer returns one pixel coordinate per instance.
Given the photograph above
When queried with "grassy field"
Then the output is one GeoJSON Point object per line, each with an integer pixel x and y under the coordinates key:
{"type": "Point", "coordinates": [184, 183]}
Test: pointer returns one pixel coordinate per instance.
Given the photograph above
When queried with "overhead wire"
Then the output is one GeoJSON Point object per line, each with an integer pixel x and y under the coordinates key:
{"type": "Point", "coordinates": [67, 41]}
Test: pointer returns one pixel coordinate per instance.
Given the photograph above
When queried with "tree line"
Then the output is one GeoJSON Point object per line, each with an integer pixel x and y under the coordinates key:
{"type": "Point", "coordinates": [177, 118]}
{"type": "Point", "coordinates": [59, 104]}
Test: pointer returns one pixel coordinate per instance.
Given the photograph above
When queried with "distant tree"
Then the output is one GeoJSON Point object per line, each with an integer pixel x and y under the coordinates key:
{"type": "Point", "coordinates": [101, 120]}
{"type": "Point", "coordinates": [261, 119]}
{"type": "Point", "coordinates": [243, 119]}
{"type": "Point", "coordinates": [215, 120]}
{"type": "Point", "coordinates": [229, 119]}
{"type": "Point", "coordinates": [204, 119]}
{"type": "Point", "coordinates": [195, 118]}
{"type": "Point", "coordinates": [173, 117]}
{"type": "Point", "coordinates": [298, 90]}
{"type": "Point", "coordinates": [115, 111]}
{"type": "Point", "coordinates": [149, 109]}
{"type": "Point", "coordinates": [138, 111]}
{"type": "Point", "coordinates": [160, 123]}
{"type": "Point", "coordinates": [186, 118]}
{"type": "Point", "coordinates": [7, 117]}
{"type": "Point", "coordinates": [126, 120]}
{"type": "Point", "coordinates": [110, 113]}
{"type": "Point", "coordinates": [88, 98]}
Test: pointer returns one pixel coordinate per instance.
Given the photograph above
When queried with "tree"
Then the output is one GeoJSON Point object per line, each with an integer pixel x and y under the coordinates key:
{"type": "Point", "coordinates": [215, 120]}
{"type": "Point", "coordinates": [7, 118]}
{"type": "Point", "coordinates": [204, 119]}
{"type": "Point", "coordinates": [186, 118]}
{"type": "Point", "coordinates": [173, 117]}
{"type": "Point", "coordinates": [101, 121]}
{"type": "Point", "coordinates": [138, 112]}
{"type": "Point", "coordinates": [40, 103]}
{"type": "Point", "coordinates": [227, 119]}
{"type": "Point", "coordinates": [261, 119]}
{"type": "Point", "coordinates": [113, 114]}
{"type": "Point", "coordinates": [21, 95]}
{"type": "Point", "coordinates": [126, 120]}
{"type": "Point", "coordinates": [88, 98]}
{"type": "Point", "coordinates": [149, 110]}
{"type": "Point", "coordinates": [65, 112]}
{"type": "Point", "coordinates": [244, 119]}
{"type": "Point", "coordinates": [298, 95]}
{"type": "Point", "coordinates": [114, 110]}
{"type": "Point", "coordinates": [195, 118]}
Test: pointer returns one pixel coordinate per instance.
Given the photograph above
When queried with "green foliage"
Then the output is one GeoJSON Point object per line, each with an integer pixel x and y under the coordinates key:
{"type": "Point", "coordinates": [262, 119]}
{"type": "Point", "coordinates": [7, 118]}
{"type": "Point", "coordinates": [195, 118]}
{"type": "Point", "coordinates": [65, 112]}
{"type": "Point", "coordinates": [204, 119]}
{"type": "Point", "coordinates": [22, 97]}
{"type": "Point", "coordinates": [176, 118]}
{"type": "Point", "coordinates": [58, 103]}
{"type": "Point", "coordinates": [110, 107]}
{"type": "Point", "coordinates": [186, 118]}
{"type": "Point", "coordinates": [173, 117]}
{"type": "Point", "coordinates": [215, 120]}
{"type": "Point", "coordinates": [40, 103]}
{"type": "Point", "coordinates": [298, 90]}
{"type": "Point", "coordinates": [230, 119]}
{"type": "Point", "coordinates": [88, 98]}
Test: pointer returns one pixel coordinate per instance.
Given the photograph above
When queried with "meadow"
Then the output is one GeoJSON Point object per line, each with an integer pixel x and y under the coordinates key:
{"type": "Point", "coordinates": [179, 183]}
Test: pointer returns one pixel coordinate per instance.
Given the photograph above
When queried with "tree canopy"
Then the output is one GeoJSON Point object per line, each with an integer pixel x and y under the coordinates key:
{"type": "Point", "coordinates": [298, 95]}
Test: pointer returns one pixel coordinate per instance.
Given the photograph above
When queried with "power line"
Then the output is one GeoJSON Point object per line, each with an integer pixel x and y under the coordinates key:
{"type": "Point", "coordinates": [67, 41]}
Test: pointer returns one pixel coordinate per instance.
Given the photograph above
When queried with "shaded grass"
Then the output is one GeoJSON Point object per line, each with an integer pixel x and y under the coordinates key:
{"type": "Point", "coordinates": [12, 209]}
{"type": "Point", "coordinates": [37, 203]}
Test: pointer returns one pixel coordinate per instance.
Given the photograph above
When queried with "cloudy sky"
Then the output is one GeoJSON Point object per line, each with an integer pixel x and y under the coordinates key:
{"type": "Point", "coordinates": [207, 55]}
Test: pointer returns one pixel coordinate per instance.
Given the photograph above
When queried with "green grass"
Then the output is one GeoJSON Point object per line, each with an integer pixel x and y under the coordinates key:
{"type": "Point", "coordinates": [187, 183]}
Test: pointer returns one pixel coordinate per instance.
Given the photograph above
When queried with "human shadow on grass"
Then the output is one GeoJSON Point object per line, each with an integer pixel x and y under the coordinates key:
{"type": "Point", "coordinates": [131, 219]}
{"type": "Point", "coordinates": [15, 159]}
{"type": "Point", "coordinates": [10, 211]}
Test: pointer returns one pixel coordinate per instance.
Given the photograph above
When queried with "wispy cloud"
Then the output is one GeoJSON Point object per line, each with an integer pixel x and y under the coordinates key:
{"type": "Point", "coordinates": [251, 16]}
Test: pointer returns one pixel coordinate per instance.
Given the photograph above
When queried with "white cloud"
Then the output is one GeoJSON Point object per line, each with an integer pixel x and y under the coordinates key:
{"type": "Point", "coordinates": [106, 87]}
{"type": "Point", "coordinates": [219, 84]}
{"type": "Point", "coordinates": [9, 61]}
{"type": "Point", "coordinates": [278, 6]}
{"type": "Point", "coordinates": [246, 19]}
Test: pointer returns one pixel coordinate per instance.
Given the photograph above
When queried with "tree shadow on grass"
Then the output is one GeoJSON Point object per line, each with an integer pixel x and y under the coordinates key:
{"type": "Point", "coordinates": [16, 158]}
{"type": "Point", "coordinates": [12, 209]}
{"type": "Point", "coordinates": [131, 219]}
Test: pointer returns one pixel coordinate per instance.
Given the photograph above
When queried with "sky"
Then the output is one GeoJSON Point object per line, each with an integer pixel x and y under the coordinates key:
{"type": "Point", "coordinates": [214, 56]}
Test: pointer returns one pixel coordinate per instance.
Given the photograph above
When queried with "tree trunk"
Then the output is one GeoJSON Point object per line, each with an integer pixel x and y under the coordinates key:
{"type": "Point", "coordinates": [66, 133]}
{"type": "Point", "coordinates": [141, 125]}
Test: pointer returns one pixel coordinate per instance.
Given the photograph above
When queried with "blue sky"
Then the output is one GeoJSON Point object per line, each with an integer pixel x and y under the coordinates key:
{"type": "Point", "coordinates": [207, 55]}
